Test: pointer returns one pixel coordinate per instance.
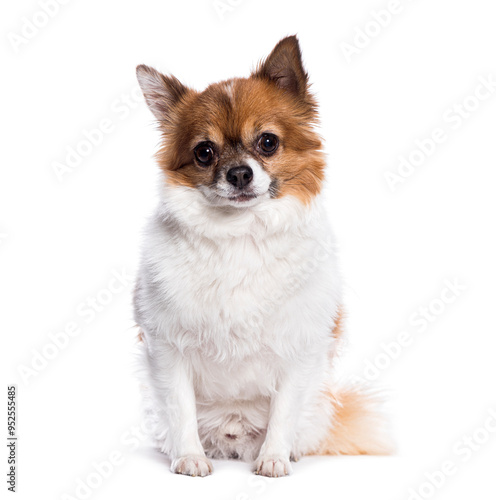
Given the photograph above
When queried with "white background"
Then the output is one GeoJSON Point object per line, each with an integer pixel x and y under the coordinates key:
{"type": "Point", "coordinates": [61, 240]}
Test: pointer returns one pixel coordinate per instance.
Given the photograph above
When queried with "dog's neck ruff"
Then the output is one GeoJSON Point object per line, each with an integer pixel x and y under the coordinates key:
{"type": "Point", "coordinates": [190, 210]}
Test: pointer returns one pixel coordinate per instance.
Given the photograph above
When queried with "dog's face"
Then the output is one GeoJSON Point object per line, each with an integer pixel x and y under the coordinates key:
{"type": "Point", "coordinates": [242, 140]}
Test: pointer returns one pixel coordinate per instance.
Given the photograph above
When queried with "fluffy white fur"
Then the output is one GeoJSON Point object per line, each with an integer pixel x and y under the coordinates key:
{"type": "Point", "coordinates": [237, 306]}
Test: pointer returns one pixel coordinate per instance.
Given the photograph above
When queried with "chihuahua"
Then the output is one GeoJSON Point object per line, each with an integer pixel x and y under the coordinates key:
{"type": "Point", "coordinates": [238, 296]}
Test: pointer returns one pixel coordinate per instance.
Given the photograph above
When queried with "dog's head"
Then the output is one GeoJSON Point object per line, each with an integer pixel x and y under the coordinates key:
{"type": "Point", "coordinates": [242, 140]}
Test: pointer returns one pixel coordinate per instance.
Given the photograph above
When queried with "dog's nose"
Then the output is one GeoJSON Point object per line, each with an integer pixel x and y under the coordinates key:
{"type": "Point", "coordinates": [239, 176]}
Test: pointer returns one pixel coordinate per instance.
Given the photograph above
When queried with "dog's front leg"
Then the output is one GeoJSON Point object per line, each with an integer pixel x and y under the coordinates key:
{"type": "Point", "coordinates": [173, 385]}
{"type": "Point", "coordinates": [285, 405]}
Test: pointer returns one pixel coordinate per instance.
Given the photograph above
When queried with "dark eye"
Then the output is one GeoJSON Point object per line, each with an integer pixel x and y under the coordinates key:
{"type": "Point", "coordinates": [204, 153]}
{"type": "Point", "coordinates": [268, 143]}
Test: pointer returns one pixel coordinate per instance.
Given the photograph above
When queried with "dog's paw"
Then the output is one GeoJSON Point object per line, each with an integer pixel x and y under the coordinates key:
{"type": "Point", "coordinates": [192, 465]}
{"type": "Point", "coordinates": [273, 466]}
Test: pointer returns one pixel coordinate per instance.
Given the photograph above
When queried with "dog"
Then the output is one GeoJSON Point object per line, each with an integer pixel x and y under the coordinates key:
{"type": "Point", "coordinates": [238, 296]}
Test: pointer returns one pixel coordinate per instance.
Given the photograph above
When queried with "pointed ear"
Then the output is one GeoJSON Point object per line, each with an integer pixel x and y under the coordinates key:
{"type": "Point", "coordinates": [161, 92]}
{"type": "Point", "coordinates": [284, 66]}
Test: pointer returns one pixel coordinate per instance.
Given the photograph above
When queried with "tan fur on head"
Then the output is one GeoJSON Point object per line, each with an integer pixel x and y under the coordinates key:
{"type": "Point", "coordinates": [232, 115]}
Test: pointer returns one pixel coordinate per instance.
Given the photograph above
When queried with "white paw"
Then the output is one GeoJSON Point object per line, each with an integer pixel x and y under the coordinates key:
{"type": "Point", "coordinates": [192, 465]}
{"type": "Point", "coordinates": [273, 466]}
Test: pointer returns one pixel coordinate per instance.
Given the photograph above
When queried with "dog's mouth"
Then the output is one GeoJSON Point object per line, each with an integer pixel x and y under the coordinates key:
{"type": "Point", "coordinates": [242, 197]}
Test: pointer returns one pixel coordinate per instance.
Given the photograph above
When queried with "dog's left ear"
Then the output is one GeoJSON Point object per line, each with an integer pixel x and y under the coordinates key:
{"type": "Point", "coordinates": [284, 67]}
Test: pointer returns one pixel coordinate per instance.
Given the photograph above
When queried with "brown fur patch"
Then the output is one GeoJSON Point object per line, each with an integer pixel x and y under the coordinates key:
{"type": "Point", "coordinates": [233, 124]}
{"type": "Point", "coordinates": [338, 329]}
{"type": "Point", "coordinates": [357, 426]}
{"type": "Point", "coordinates": [233, 114]}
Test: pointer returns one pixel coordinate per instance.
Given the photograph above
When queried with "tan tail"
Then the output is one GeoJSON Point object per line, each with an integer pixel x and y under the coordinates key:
{"type": "Point", "coordinates": [358, 424]}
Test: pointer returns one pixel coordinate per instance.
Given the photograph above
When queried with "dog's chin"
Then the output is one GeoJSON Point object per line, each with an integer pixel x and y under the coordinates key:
{"type": "Point", "coordinates": [241, 200]}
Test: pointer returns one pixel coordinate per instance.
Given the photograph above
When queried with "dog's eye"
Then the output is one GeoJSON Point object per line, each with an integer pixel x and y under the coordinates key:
{"type": "Point", "coordinates": [268, 143]}
{"type": "Point", "coordinates": [204, 154]}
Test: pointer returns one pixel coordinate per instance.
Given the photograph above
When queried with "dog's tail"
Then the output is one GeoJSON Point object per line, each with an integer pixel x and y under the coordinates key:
{"type": "Point", "coordinates": [358, 425]}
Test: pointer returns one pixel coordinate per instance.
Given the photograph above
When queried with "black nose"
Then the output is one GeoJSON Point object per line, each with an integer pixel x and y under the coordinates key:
{"type": "Point", "coordinates": [239, 176]}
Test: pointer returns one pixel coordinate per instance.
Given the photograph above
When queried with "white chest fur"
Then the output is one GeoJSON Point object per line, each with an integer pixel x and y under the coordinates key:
{"type": "Point", "coordinates": [266, 279]}
{"type": "Point", "coordinates": [237, 298]}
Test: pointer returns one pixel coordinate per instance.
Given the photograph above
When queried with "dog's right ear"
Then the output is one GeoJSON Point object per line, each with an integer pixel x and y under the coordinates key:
{"type": "Point", "coordinates": [162, 93]}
